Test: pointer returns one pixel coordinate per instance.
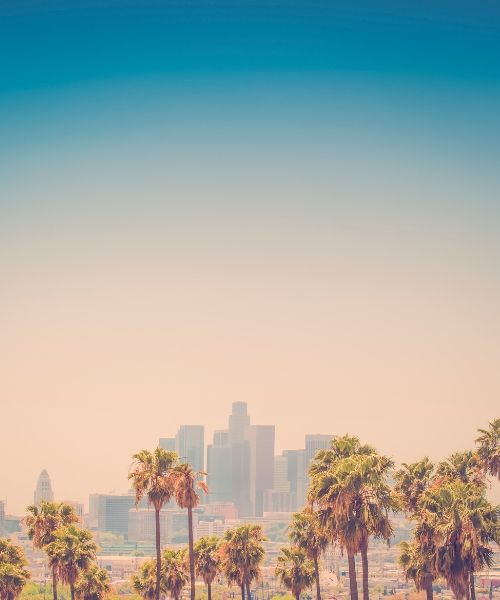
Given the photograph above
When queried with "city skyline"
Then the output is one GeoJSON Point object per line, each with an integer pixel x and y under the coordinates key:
{"type": "Point", "coordinates": [310, 444]}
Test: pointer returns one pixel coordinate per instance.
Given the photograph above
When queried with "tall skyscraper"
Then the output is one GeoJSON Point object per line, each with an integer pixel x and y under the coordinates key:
{"type": "Point", "coordinates": [314, 442]}
{"type": "Point", "coordinates": [190, 445]}
{"type": "Point", "coordinates": [261, 440]}
{"type": "Point", "coordinates": [239, 422]}
{"type": "Point", "coordinates": [43, 490]}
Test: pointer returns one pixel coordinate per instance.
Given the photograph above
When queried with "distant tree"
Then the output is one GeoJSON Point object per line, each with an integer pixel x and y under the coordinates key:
{"type": "Point", "coordinates": [13, 572]}
{"type": "Point", "coordinates": [207, 560]}
{"type": "Point", "coordinates": [144, 582]}
{"type": "Point", "coordinates": [295, 571]}
{"type": "Point", "coordinates": [92, 584]}
{"type": "Point", "coordinates": [72, 551]}
{"type": "Point", "coordinates": [417, 566]}
{"type": "Point", "coordinates": [175, 572]}
{"type": "Point", "coordinates": [42, 521]}
{"type": "Point", "coordinates": [242, 553]}
{"type": "Point", "coordinates": [150, 477]}
{"type": "Point", "coordinates": [307, 533]}
{"type": "Point", "coordinates": [184, 483]}
{"type": "Point", "coordinates": [489, 448]}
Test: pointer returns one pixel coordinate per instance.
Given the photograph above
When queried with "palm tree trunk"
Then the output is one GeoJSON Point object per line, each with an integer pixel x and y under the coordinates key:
{"type": "Point", "coordinates": [72, 590]}
{"type": "Point", "coordinates": [242, 591]}
{"type": "Point", "coordinates": [54, 584]}
{"type": "Point", "coordinates": [429, 592]}
{"type": "Point", "coordinates": [472, 587]}
{"type": "Point", "coordinates": [191, 551]}
{"type": "Point", "coordinates": [158, 554]}
{"type": "Point", "coordinates": [209, 591]}
{"type": "Point", "coordinates": [316, 572]}
{"type": "Point", "coordinates": [353, 584]}
{"type": "Point", "coordinates": [249, 595]}
{"type": "Point", "coordinates": [364, 564]}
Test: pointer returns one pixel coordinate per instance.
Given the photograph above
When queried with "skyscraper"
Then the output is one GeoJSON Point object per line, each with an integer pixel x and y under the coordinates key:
{"type": "Point", "coordinates": [314, 442]}
{"type": "Point", "coordinates": [261, 440]}
{"type": "Point", "coordinates": [239, 422]}
{"type": "Point", "coordinates": [112, 512]}
{"type": "Point", "coordinates": [43, 490]}
{"type": "Point", "coordinates": [190, 445]}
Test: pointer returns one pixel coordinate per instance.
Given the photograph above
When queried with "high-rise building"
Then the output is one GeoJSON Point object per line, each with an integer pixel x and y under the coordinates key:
{"type": "Point", "coordinates": [43, 490]}
{"type": "Point", "coordinates": [295, 460]}
{"type": "Point", "coordinates": [261, 439]}
{"type": "Point", "coordinates": [281, 482]}
{"type": "Point", "coordinates": [77, 507]}
{"type": "Point", "coordinates": [190, 445]}
{"type": "Point", "coordinates": [239, 421]}
{"type": "Point", "coordinates": [167, 444]}
{"type": "Point", "coordinates": [112, 512]}
{"type": "Point", "coordinates": [220, 473]}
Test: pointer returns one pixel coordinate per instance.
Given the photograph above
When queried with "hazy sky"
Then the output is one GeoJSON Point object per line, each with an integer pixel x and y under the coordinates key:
{"type": "Point", "coordinates": [294, 204]}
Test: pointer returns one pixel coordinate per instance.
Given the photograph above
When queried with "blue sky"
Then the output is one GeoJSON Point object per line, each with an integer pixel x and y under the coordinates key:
{"type": "Point", "coordinates": [277, 202]}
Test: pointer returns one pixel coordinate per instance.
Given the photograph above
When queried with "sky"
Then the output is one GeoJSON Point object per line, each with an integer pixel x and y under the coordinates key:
{"type": "Point", "coordinates": [294, 204]}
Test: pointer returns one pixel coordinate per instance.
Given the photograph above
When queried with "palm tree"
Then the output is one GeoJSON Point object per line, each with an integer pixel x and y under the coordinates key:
{"type": "Point", "coordinates": [42, 521]}
{"type": "Point", "coordinates": [175, 573]}
{"type": "Point", "coordinates": [207, 560]}
{"type": "Point", "coordinates": [461, 466]}
{"type": "Point", "coordinates": [489, 448]}
{"type": "Point", "coordinates": [13, 572]}
{"type": "Point", "coordinates": [465, 526]}
{"type": "Point", "coordinates": [144, 583]}
{"type": "Point", "coordinates": [306, 532]}
{"type": "Point", "coordinates": [349, 484]}
{"type": "Point", "coordinates": [184, 482]}
{"type": "Point", "coordinates": [71, 552]}
{"type": "Point", "coordinates": [92, 584]}
{"type": "Point", "coordinates": [150, 477]}
{"type": "Point", "coordinates": [412, 480]}
{"type": "Point", "coordinates": [295, 570]}
{"type": "Point", "coordinates": [417, 566]}
{"type": "Point", "coordinates": [242, 554]}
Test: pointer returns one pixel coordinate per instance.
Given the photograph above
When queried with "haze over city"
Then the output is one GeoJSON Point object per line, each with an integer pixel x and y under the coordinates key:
{"type": "Point", "coordinates": [290, 206]}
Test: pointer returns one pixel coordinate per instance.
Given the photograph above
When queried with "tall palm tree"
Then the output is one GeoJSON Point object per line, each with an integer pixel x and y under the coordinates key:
{"type": "Point", "coordinates": [306, 532]}
{"type": "Point", "coordinates": [92, 584]}
{"type": "Point", "coordinates": [349, 484]}
{"type": "Point", "coordinates": [242, 554]}
{"type": "Point", "coordinates": [13, 572]}
{"type": "Point", "coordinates": [42, 521]}
{"type": "Point", "coordinates": [295, 570]}
{"type": "Point", "coordinates": [144, 582]}
{"type": "Point", "coordinates": [175, 572]}
{"type": "Point", "coordinates": [466, 525]}
{"type": "Point", "coordinates": [489, 448]}
{"type": "Point", "coordinates": [73, 550]}
{"type": "Point", "coordinates": [184, 482]}
{"type": "Point", "coordinates": [412, 480]}
{"type": "Point", "coordinates": [150, 477]}
{"type": "Point", "coordinates": [207, 560]}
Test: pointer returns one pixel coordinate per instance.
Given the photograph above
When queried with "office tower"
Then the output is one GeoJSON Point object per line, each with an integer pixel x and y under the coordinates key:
{"type": "Point", "coordinates": [112, 512]}
{"type": "Point", "coordinates": [281, 482]}
{"type": "Point", "coordinates": [239, 422]}
{"type": "Point", "coordinates": [221, 437]}
{"type": "Point", "coordinates": [190, 445]}
{"type": "Point", "coordinates": [167, 444]}
{"type": "Point", "coordinates": [240, 476]}
{"type": "Point", "coordinates": [220, 473]}
{"type": "Point", "coordinates": [261, 440]}
{"type": "Point", "coordinates": [295, 475]}
{"type": "Point", "coordinates": [43, 489]}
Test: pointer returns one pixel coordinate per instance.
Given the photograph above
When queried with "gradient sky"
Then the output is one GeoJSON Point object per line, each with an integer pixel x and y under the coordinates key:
{"type": "Point", "coordinates": [295, 204]}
